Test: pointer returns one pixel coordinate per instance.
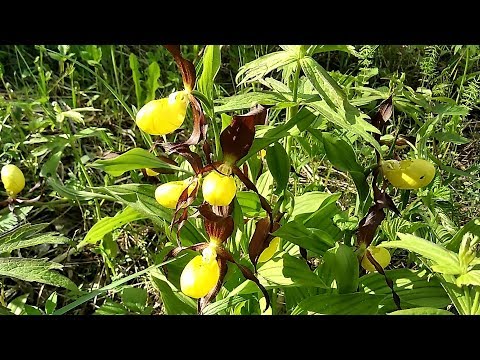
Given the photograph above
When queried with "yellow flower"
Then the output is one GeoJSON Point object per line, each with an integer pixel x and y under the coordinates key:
{"type": "Point", "coordinates": [151, 172]}
{"type": "Point", "coordinates": [272, 248]}
{"type": "Point", "coordinates": [13, 179]}
{"type": "Point", "coordinates": [200, 275]}
{"type": "Point", "coordinates": [162, 116]}
{"type": "Point", "coordinates": [168, 194]}
{"type": "Point", "coordinates": [218, 189]}
{"type": "Point", "coordinates": [408, 174]}
{"type": "Point", "coordinates": [381, 256]}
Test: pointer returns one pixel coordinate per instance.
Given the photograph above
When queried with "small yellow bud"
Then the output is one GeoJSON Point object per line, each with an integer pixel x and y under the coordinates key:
{"type": "Point", "coordinates": [151, 172]}
{"type": "Point", "coordinates": [168, 194]}
{"type": "Point", "coordinates": [13, 179]}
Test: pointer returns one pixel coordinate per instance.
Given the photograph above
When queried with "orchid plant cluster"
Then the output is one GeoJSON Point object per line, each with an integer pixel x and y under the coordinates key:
{"type": "Point", "coordinates": [203, 276]}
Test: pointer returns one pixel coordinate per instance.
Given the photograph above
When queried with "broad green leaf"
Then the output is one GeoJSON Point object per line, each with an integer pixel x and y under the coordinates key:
{"type": "Point", "coordinates": [49, 168]}
{"type": "Point", "coordinates": [134, 299]}
{"type": "Point", "coordinates": [174, 301]}
{"type": "Point", "coordinates": [153, 74]}
{"type": "Point", "coordinates": [141, 198]}
{"type": "Point", "coordinates": [25, 236]}
{"type": "Point", "coordinates": [222, 305]}
{"type": "Point", "coordinates": [470, 278]}
{"type": "Point", "coordinates": [345, 268]}
{"type": "Point", "coordinates": [309, 202]}
{"type": "Point", "coordinates": [421, 311]}
{"type": "Point", "coordinates": [247, 100]}
{"type": "Point", "coordinates": [279, 165]}
{"type": "Point", "coordinates": [473, 226]}
{"type": "Point", "coordinates": [136, 78]}
{"type": "Point", "coordinates": [286, 270]}
{"type": "Point", "coordinates": [340, 153]}
{"type": "Point", "coordinates": [434, 252]}
{"type": "Point", "coordinates": [250, 203]}
{"type": "Point", "coordinates": [211, 64]}
{"type": "Point", "coordinates": [110, 307]}
{"type": "Point", "coordinates": [450, 109]}
{"type": "Point", "coordinates": [39, 270]}
{"type": "Point", "coordinates": [70, 192]}
{"type": "Point", "coordinates": [17, 305]}
{"type": "Point", "coordinates": [275, 133]}
{"type": "Point", "coordinates": [108, 224]}
{"type": "Point", "coordinates": [416, 287]}
{"type": "Point", "coordinates": [9, 220]}
{"type": "Point", "coordinates": [46, 238]}
{"type": "Point", "coordinates": [340, 304]}
{"type": "Point", "coordinates": [451, 137]}
{"type": "Point", "coordinates": [260, 67]}
{"type": "Point", "coordinates": [5, 311]}
{"type": "Point", "coordinates": [132, 160]}
{"type": "Point", "coordinates": [314, 240]}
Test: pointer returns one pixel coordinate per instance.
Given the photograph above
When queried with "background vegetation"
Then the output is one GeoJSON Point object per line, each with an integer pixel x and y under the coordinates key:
{"type": "Point", "coordinates": [63, 107]}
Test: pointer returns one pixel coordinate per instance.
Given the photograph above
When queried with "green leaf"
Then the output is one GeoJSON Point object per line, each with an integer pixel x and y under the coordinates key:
{"type": "Point", "coordinates": [314, 240]}
{"type": "Point", "coordinates": [340, 153]}
{"type": "Point", "coordinates": [110, 307]}
{"type": "Point", "coordinates": [108, 224]}
{"type": "Point", "coordinates": [279, 165]}
{"type": "Point", "coordinates": [473, 226]}
{"type": "Point", "coordinates": [275, 133]}
{"type": "Point", "coordinates": [247, 100]}
{"type": "Point", "coordinates": [325, 48]}
{"type": "Point", "coordinates": [153, 74]}
{"type": "Point", "coordinates": [250, 203]}
{"type": "Point", "coordinates": [136, 78]}
{"type": "Point", "coordinates": [345, 268]}
{"type": "Point", "coordinates": [174, 301]}
{"type": "Point", "coordinates": [470, 278]}
{"type": "Point", "coordinates": [286, 270]}
{"type": "Point", "coordinates": [39, 270]}
{"type": "Point", "coordinates": [340, 304]}
{"type": "Point", "coordinates": [309, 202]}
{"type": "Point", "coordinates": [51, 303]}
{"type": "Point", "coordinates": [17, 305]}
{"type": "Point", "coordinates": [451, 137]}
{"type": "Point", "coordinates": [421, 311]}
{"type": "Point", "coordinates": [260, 67]}
{"type": "Point", "coordinates": [140, 197]}
{"type": "Point", "coordinates": [134, 299]}
{"type": "Point", "coordinates": [434, 252]}
{"type": "Point", "coordinates": [450, 109]}
{"type": "Point", "coordinates": [222, 305]}
{"type": "Point", "coordinates": [23, 236]}
{"type": "Point", "coordinates": [132, 160]}
{"type": "Point", "coordinates": [416, 287]}
{"type": "Point", "coordinates": [211, 64]}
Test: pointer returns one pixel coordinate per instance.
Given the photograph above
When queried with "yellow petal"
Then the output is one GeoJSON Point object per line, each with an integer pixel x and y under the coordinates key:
{"type": "Point", "coordinates": [151, 172]}
{"type": "Point", "coordinates": [199, 276]}
{"type": "Point", "coordinates": [163, 116]}
{"type": "Point", "coordinates": [380, 254]}
{"type": "Point", "coordinates": [272, 248]}
{"type": "Point", "coordinates": [218, 189]}
{"type": "Point", "coordinates": [408, 174]}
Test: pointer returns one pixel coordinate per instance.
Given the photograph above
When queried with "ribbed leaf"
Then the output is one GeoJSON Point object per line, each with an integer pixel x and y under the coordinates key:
{"type": "Point", "coordinates": [340, 304]}
{"type": "Point", "coordinates": [39, 270]}
{"type": "Point", "coordinates": [421, 311]}
{"type": "Point", "coordinates": [108, 224]}
{"type": "Point", "coordinates": [132, 160]}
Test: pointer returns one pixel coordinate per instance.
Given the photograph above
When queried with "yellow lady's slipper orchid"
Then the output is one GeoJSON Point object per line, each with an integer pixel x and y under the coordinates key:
{"type": "Point", "coordinates": [380, 254]}
{"type": "Point", "coordinates": [13, 179]}
{"type": "Point", "coordinates": [408, 174]}
{"type": "Point", "coordinates": [218, 189]}
{"type": "Point", "coordinates": [200, 275]}
{"type": "Point", "coordinates": [168, 194]}
{"type": "Point", "coordinates": [162, 116]}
